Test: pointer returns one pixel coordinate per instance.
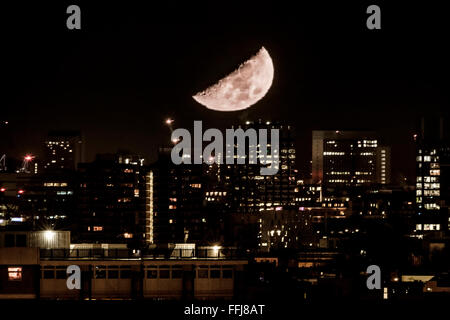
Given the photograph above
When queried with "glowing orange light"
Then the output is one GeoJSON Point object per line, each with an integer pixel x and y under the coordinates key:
{"type": "Point", "coordinates": [2, 189]}
{"type": "Point", "coordinates": [169, 121]}
{"type": "Point", "coordinates": [21, 191]}
{"type": "Point", "coordinates": [28, 157]}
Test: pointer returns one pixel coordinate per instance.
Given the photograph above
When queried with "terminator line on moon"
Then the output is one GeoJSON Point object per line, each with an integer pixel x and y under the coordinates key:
{"type": "Point", "coordinates": [243, 87]}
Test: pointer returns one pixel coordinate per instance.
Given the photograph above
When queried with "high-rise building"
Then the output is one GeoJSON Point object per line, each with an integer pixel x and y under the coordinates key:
{"type": "Point", "coordinates": [383, 164]}
{"type": "Point", "coordinates": [248, 190]}
{"type": "Point", "coordinates": [433, 176]}
{"type": "Point", "coordinates": [194, 202]}
{"type": "Point", "coordinates": [176, 206]}
{"type": "Point", "coordinates": [281, 228]}
{"type": "Point", "coordinates": [111, 198]}
{"type": "Point", "coordinates": [63, 150]}
{"type": "Point", "coordinates": [349, 158]}
{"type": "Point", "coordinates": [36, 201]}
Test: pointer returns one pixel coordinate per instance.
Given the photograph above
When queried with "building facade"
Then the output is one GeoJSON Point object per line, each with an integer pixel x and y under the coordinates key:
{"type": "Point", "coordinates": [63, 150]}
{"type": "Point", "coordinates": [432, 176]}
{"type": "Point", "coordinates": [349, 158]}
{"type": "Point", "coordinates": [111, 204]}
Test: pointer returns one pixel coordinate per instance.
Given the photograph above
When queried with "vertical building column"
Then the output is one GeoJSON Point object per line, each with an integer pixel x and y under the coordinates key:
{"type": "Point", "coordinates": [188, 282]}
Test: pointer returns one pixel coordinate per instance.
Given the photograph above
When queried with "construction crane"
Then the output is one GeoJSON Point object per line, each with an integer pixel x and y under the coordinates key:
{"type": "Point", "coordinates": [3, 163]}
{"type": "Point", "coordinates": [26, 163]}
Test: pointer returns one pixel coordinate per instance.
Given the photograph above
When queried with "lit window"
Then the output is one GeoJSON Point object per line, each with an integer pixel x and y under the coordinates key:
{"type": "Point", "coordinates": [98, 228]}
{"type": "Point", "coordinates": [15, 274]}
{"type": "Point", "coordinates": [435, 172]}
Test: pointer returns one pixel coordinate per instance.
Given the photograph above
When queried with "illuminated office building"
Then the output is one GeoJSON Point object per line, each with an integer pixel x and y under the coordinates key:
{"type": "Point", "coordinates": [281, 228]}
{"type": "Point", "coordinates": [349, 158]}
{"type": "Point", "coordinates": [63, 150]}
{"type": "Point", "coordinates": [248, 190]}
{"type": "Point", "coordinates": [195, 203]}
{"type": "Point", "coordinates": [432, 179]}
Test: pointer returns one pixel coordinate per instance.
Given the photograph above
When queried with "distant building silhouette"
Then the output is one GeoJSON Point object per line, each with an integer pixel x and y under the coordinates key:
{"type": "Point", "coordinates": [63, 150]}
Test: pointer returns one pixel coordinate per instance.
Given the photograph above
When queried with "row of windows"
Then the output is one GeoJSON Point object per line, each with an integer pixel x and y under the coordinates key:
{"type": "Point", "coordinates": [55, 184]}
{"type": "Point", "coordinates": [176, 272]}
{"type": "Point", "coordinates": [428, 227]}
{"type": "Point", "coordinates": [428, 186]}
{"type": "Point", "coordinates": [427, 179]}
{"type": "Point", "coordinates": [54, 272]}
{"type": "Point", "coordinates": [100, 272]}
{"type": "Point", "coordinates": [112, 272]}
{"type": "Point", "coordinates": [151, 272]}
{"type": "Point", "coordinates": [427, 159]}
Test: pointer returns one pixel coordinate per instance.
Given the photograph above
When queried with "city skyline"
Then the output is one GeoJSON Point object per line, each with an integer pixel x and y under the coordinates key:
{"type": "Point", "coordinates": [226, 152]}
{"type": "Point", "coordinates": [145, 70]}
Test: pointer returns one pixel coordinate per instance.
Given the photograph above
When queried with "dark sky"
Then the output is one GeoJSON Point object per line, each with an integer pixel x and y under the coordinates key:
{"type": "Point", "coordinates": [133, 65]}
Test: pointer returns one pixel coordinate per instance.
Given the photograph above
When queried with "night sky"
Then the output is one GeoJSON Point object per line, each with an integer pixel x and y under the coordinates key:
{"type": "Point", "coordinates": [131, 66]}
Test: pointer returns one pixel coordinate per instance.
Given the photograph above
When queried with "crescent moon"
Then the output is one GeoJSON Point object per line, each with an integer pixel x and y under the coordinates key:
{"type": "Point", "coordinates": [243, 87]}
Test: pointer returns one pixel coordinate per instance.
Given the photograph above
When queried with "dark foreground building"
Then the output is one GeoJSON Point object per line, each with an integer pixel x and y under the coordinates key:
{"type": "Point", "coordinates": [33, 273]}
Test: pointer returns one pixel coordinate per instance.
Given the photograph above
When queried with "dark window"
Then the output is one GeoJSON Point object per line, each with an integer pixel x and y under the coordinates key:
{"type": "Point", "coordinates": [215, 273]}
{"type": "Point", "coordinates": [21, 240]}
{"type": "Point", "coordinates": [113, 274]}
{"type": "Point", "coordinates": [125, 272]}
{"type": "Point", "coordinates": [61, 272]}
{"type": "Point", "coordinates": [9, 240]}
{"type": "Point", "coordinates": [152, 274]}
{"type": "Point", "coordinates": [177, 274]}
{"type": "Point", "coordinates": [49, 274]}
{"type": "Point", "coordinates": [203, 273]}
{"type": "Point", "coordinates": [100, 272]}
{"type": "Point", "coordinates": [164, 273]}
{"type": "Point", "coordinates": [227, 274]}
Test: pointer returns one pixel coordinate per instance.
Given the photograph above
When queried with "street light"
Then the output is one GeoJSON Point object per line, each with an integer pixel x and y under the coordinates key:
{"type": "Point", "coordinates": [49, 235]}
